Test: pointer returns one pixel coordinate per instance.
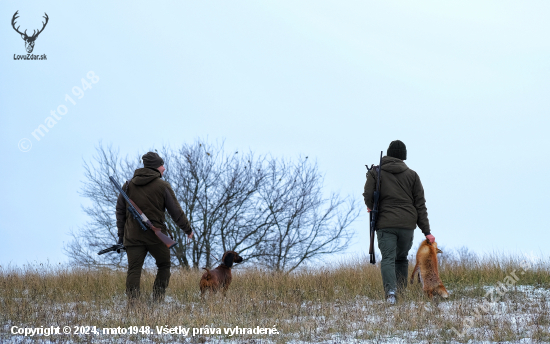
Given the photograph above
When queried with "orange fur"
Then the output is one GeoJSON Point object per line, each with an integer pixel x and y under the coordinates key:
{"type": "Point", "coordinates": [426, 262]}
{"type": "Point", "coordinates": [220, 277]}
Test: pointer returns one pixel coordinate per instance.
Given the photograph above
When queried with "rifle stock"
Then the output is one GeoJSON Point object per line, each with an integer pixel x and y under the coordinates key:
{"type": "Point", "coordinates": [371, 246]}
{"type": "Point", "coordinates": [166, 240]}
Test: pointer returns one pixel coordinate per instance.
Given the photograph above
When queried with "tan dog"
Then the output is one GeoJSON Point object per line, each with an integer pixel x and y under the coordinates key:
{"type": "Point", "coordinates": [220, 277]}
{"type": "Point", "coordinates": [426, 261]}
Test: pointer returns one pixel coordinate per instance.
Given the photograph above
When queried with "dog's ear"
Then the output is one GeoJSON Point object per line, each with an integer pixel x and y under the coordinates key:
{"type": "Point", "coordinates": [228, 258]}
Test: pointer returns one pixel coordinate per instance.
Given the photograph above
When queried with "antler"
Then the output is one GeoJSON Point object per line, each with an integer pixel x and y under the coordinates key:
{"type": "Point", "coordinates": [13, 24]}
{"type": "Point", "coordinates": [34, 35]}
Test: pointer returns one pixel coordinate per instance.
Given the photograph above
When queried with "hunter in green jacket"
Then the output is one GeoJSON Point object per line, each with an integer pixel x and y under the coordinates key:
{"type": "Point", "coordinates": [153, 196]}
{"type": "Point", "coordinates": [402, 207]}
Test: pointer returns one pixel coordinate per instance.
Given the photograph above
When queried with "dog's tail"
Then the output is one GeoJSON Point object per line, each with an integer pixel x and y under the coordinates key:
{"type": "Point", "coordinates": [208, 276]}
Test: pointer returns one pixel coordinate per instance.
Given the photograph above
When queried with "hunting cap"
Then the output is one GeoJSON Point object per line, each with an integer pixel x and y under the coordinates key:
{"type": "Point", "coordinates": [152, 160]}
{"type": "Point", "coordinates": [397, 149]}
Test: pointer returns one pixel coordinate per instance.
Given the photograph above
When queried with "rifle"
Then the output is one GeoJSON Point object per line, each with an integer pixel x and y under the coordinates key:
{"type": "Point", "coordinates": [119, 248]}
{"type": "Point", "coordinates": [140, 217]}
{"type": "Point", "coordinates": [374, 212]}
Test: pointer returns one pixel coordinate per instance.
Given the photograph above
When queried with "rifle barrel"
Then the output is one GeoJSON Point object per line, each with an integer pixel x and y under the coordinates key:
{"type": "Point", "coordinates": [119, 188]}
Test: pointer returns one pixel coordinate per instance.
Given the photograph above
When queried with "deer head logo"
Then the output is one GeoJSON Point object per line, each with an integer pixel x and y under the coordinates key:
{"type": "Point", "coordinates": [29, 40]}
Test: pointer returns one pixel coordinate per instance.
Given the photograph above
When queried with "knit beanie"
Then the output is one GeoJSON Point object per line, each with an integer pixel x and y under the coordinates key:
{"type": "Point", "coordinates": [397, 149]}
{"type": "Point", "coordinates": [152, 160]}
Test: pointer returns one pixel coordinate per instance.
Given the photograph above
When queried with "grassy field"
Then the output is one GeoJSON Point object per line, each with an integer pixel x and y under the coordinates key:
{"type": "Point", "coordinates": [338, 304]}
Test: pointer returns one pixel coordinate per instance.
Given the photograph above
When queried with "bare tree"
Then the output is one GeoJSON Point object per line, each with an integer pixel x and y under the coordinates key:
{"type": "Point", "coordinates": [272, 211]}
{"type": "Point", "coordinates": [101, 231]}
{"type": "Point", "coordinates": [306, 225]}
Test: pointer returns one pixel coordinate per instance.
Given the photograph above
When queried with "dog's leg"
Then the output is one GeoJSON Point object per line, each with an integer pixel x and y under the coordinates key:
{"type": "Point", "coordinates": [224, 290]}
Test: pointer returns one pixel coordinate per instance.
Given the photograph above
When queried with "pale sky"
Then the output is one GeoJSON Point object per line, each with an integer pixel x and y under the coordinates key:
{"type": "Point", "coordinates": [464, 84]}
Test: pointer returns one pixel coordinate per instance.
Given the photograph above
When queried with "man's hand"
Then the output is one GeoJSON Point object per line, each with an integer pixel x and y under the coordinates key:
{"type": "Point", "coordinates": [190, 236]}
{"type": "Point", "coordinates": [120, 240]}
{"type": "Point", "coordinates": [368, 209]}
{"type": "Point", "coordinates": [430, 237]}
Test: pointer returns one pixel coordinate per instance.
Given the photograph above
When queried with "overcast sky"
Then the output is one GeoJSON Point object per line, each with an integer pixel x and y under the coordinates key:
{"type": "Point", "coordinates": [464, 84]}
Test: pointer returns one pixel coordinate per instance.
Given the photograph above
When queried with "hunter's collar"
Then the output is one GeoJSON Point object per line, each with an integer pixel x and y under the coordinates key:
{"type": "Point", "coordinates": [154, 169]}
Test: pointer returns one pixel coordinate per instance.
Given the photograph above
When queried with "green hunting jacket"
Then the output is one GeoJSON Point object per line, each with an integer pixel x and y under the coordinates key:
{"type": "Point", "coordinates": [402, 202]}
{"type": "Point", "coordinates": [152, 195]}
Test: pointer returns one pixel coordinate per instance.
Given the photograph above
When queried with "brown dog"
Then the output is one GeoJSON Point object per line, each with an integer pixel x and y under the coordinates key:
{"type": "Point", "coordinates": [426, 261]}
{"type": "Point", "coordinates": [220, 277]}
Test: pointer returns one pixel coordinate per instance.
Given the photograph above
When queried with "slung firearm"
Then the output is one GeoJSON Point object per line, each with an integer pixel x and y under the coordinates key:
{"type": "Point", "coordinates": [140, 217]}
{"type": "Point", "coordinates": [374, 212]}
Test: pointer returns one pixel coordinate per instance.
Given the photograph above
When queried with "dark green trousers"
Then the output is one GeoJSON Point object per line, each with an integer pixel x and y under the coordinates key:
{"type": "Point", "coordinates": [136, 257]}
{"type": "Point", "coordinates": [394, 244]}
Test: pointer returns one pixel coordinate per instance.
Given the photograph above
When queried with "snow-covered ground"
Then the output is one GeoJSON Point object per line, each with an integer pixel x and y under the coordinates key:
{"type": "Point", "coordinates": [518, 315]}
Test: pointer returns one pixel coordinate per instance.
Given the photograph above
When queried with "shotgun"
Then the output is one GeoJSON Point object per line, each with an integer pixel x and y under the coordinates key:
{"type": "Point", "coordinates": [140, 217]}
{"type": "Point", "coordinates": [374, 212]}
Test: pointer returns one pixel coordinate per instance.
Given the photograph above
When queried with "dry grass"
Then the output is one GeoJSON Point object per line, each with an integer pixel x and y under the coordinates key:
{"type": "Point", "coordinates": [343, 303]}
